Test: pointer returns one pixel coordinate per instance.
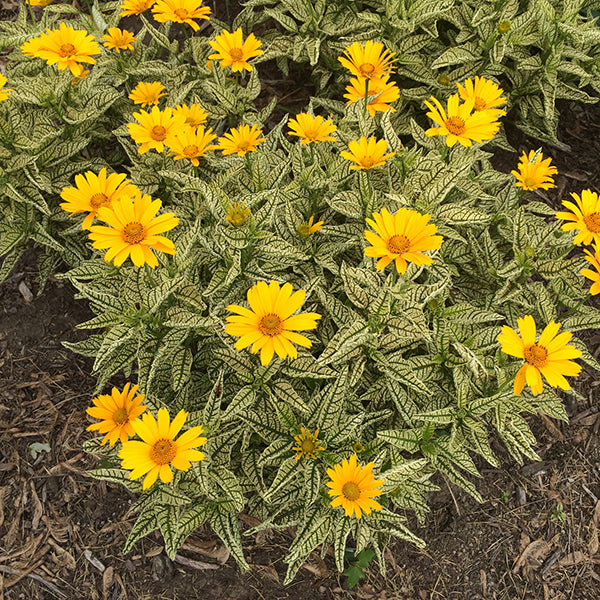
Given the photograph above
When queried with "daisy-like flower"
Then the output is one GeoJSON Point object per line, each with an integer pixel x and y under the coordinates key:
{"type": "Point", "coordinates": [585, 217]}
{"type": "Point", "coordinates": [158, 449]}
{"type": "Point", "coordinates": [307, 229]}
{"type": "Point", "coordinates": [192, 144]}
{"type": "Point", "coordinates": [367, 154]}
{"type": "Point", "coordinates": [311, 129]}
{"type": "Point", "coordinates": [116, 412]}
{"type": "Point", "coordinates": [118, 39]}
{"type": "Point", "coordinates": [237, 214]}
{"type": "Point", "coordinates": [241, 140]}
{"type": "Point", "coordinates": [269, 325]}
{"type": "Point", "coordinates": [370, 60]}
{"type": "Point", "coordinates": [39, 2]}
{"type": "Point", "coordinates": [594, 259]}
{"type": "Point", "coordinates": [180, 11]}
{"type": "Point", "coordinates": [485, 93]}
{"type": "Point", "coordinates": [381, 92]}
{"type": "Point", "coordinates": [232, 51]}
{"type": "Point", "coordinates": [135, 7]}
{"type": "Point", "coordinates": [307, 444]}
{"type": "Point", "coordinates": [549, 356]}
{"type": "Point", "coordinates": [402, 237]}
{"type": "Point", "coordinates": [155, 128]}
{"type": "Point", "coordinates": [459, 125]}
{"type": "Point", "coordinates": [93, 191]}
{"type": "Point", "coordinates": [4, 92]}
{"type": "Point", "coordinates": [147, 93]}
{"type": "Point", "coordinates": [65, 47]}
{"type": "Point", "coordinates": [133, 230]}
{"type": "Point", "coordinates": [534, 172]}
{"type": "Point", "coordinates": [194, 114]}
{"type": "Point", "coordinates": [353, 487]}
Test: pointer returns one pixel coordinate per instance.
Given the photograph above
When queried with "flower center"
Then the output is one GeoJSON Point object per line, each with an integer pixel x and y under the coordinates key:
{"type": "Point", "coordinates": [479, 103]}
{"type": "Point", "coordinates": [366, 69]}
{"type": "Point", "coordinates": [121, 417]}
{"type": "Point", "coordinates": [367, 162]}
{"type": "Point", "coordinates": [133, 233]}
{"type": "Point", "coordinates": [592, 222]}
{"type": "Point", "coordinates": [163, 451]}
{"type": "Point", "coordinates": [529, 182]}
{"type": "Point", "coordinates": [270, 325]}
{"type": "Point", "coordinates": [351, 491]}
{"type": "Point", "coordinates": [158, 133]}
{"type": "Point", "coordinates": [190, 151]}
{"type": "Point", "coordinates": [97, 200]}
{"type": "Point", "coordinates": [244, 146]}
{"type": "Point", "coordinates": [182, 13]}
{"type": "Point", "coordinates": [67, 50]}
{"type": "Point", "coordinates": [236, 53]}
{"type": "Point", "coordinates": [455, 125]}
{"type": "Point", "coordinates": [308, 446]}
{"type": "Point", "coordinates": [398, 244]}
{"type": "Point", "coordinates": [536, 355]}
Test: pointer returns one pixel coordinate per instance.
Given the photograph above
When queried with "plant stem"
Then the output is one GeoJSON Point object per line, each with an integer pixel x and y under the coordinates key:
{"type": "Point", "coordinates": [31, 13]}
{"type": "Point", "coordinates": [366, 109]}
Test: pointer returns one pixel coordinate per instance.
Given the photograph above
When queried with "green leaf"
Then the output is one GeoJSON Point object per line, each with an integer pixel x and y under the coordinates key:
{"type": "Point", "coordinates": [167, 517]}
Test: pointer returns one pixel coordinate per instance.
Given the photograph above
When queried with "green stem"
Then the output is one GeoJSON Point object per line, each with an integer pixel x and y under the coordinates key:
{"type": "Point", "coordinates": [31, 13]}
{"type": "Point", "coordinates": [188, 44]}
{"type": "Point", "coordinates": [366, 109]}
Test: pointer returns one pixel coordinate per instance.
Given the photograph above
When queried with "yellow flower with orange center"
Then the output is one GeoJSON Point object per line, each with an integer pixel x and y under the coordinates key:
{"type": "Point", "coordinates": [534, 172]}
{"type": "Point", "coordinates": [147, 93]}
{"type": "Point", "coordinates": [311, 129]}
{"type": "Point", "coordinates": [548, 356]}
{"type": "Point", "coordinates": [584, 217]}
{"type": "Point", "coordinates": [380, 93]}
{"type": "Point", "coordinates": [307, 444]}
{"type": "Point", "coordinates": [4, 92]}
{"type": "Point", "coordinates": [232, 51]}
{"type": "Point", "coordinates": [118, 39]}
{"type": "Point", "coordinates": [39, 2]}
{"type": "Point", "coordinates": [135, 7]}
{"type": "Point", "coordinates": [180, 11]}
{"type": "Point", "coordinates": [307, 229]}
{"type": "Point", "coordinates": [242, 140]}
{"type": "Point", "coordinates": [192, 144]}
{"type": "Point", "coordinates": [486, 94]}
{"type": "Point", "coordinates": [367, 154]}
{"type": "Point", "coordinates": [194, 114]}
{"type": "Point", "coordinates": [154, 129]}
{"type": "Point", "coordinates": [594, 260]}
{"type": "Point", "coordinates": [160, 448]}
{"type": "Point", "coordinates": [237, 214]}
{"type": "Point", "coordinates": [117, 412]}
{"type": "Point", "coordinates": [370, 60]}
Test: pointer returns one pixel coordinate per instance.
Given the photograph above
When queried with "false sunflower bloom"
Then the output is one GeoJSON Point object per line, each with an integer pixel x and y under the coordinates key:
{"type": "Point", "coordinates": [307, 444]}
{"type": "Point", "coordinates": [39, 2]}
{"type": "Point", "coordinates": [116, 412]}
{"type": "Point", "coordinates": [402, 237]}
{"type": "Point", "coordinates": [380, 93]}
{"type": "Point", "coordinates": [194, 114]}
{"type": "Point", "coordinates": [485, 93]}
{"type": "Point", "coordinates": [549, 356]}
{"type": "Point", "coordinates": [118, 39]}
{"type": "Point", "coordinates": [460, 124]}
{"type": "Point", "coordinates": [311, 129]}
{"type": "Point", "coordinates": [370, 60]}
{"type": "Point", "coordinates": [534, 172]}
{"type": "Point", "coordinates": [353, 487]}
{"type": "Point", "coordinates": [135, 7]}
{"type": "Point", "coordinates": [192, 144]}
{"type": "Point", "coordinates": [232, 51]}
{"type": "Point", "coordinates": [147, 93]}
{"type": "Point", "coordinates": [93, 191]}
{"type": "Point", "coordinates": [594, 259]}
{"type": "Point", "coordinates": [307, 229]}
{"type": "Point", "coordinates": [133, 230]}
{"type": "Point", "coordinates": [158, 449]}
{"type": "Point", "coordinates": [237, 214]}
{"type": "Point", "coordinates": [180, 11]}
{"type": "Point", "coordinates": [65, 47]}
{"type": "Point", "coordinates": [241, 140]}
{"type": "Point", "coordinates": [155, 128]}
{"type": "Point", "coordinates": [269, 325]}
{"type": "Point", "coordinates": [4, 92]}
{"type": "Point", "coordinates": [585, 217]}
{"type": "Point", "coordinates": [367, 154]}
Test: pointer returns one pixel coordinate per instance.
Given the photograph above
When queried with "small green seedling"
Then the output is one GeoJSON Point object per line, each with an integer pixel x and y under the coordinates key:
{"type": "Point", "coordinates": [357, 566]}
{"type": "Point", "coordinates": [558, 515]}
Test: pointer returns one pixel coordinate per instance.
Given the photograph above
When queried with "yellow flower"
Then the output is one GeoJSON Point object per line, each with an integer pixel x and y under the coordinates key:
{"type": "Point", "coordinates": [119, 39]}
{"type": "Point", "coordinates": [549, 356]}
{"type": "Point", "coordinates": [159, 450]}
{"type": "Point", "coordinates": [233, 52]}
{"type": "Point", "coordinates": [117, 411]}
{"type": "Point", "coordinates": [64, 47]}
{"type": "Point", "coordinates": [306, 229]}
{"type": "Point", "coordinates": [307, 444]}
{"type": "Point", "coordinates": [241, 140]}
{"type": "Point", "coordinates": [353, 487]}
{"type": "Point", "coordinates": [133, 229]}
{"type": "Point", "coordinates": [135, 7]}
{"type": "Point", "coordinates": [594, 259]}
{"type": "Point", "coordinates": [485, 93]}
{"type": "Point", "coordinates": [460, 125]}
{"type": "Point", "coordinates": [237, 214]}
{"type": "Point", "coordinates": [269, 325]}
{"type": "Point", "coordinates": [93, 191]}
{"type": "Point", "coordinates": [192, 144]}
{"type": "Point", "coordinates": [156, 128]}
{"type": "Point", "coordinates": [39, 2]}
{"type": "Point", "coordinates": [381, 90]}
{"type": "Point", "coordinates": [83, 75]}
{"type": "Point", "coordinates": [147, 93]}
{"type": "Point", "coordinates": [534, 173]}
{"type": "Point", "coordinates": [180, 11]}
{"type": "Point", "coordinates": [194, 114]}
{"type": "Point", "coordinates": [370, 60]}
{"type": "Point", "coordinates": [311, 129]}
{"type": "Point", "coordinates": [4, 92]}
{"type": "Point", "coordinates": [585, 216]}
{"type": "Point", "coordinates": [367, 154]}
{"type": "Point", "coordinates": [402, 237]}
{"type": "Point", "coordinates": [504, 26]}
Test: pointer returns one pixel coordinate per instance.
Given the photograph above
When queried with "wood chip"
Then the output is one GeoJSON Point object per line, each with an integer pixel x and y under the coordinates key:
{"type": "Point", "coordinates": [194, 564]}
{"type": "Point", "coordinates": [94, 561]}
{"type": "Point", "coordinates": [26, 292]}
